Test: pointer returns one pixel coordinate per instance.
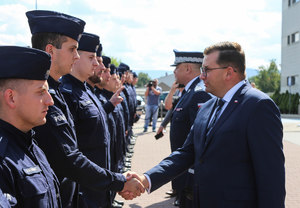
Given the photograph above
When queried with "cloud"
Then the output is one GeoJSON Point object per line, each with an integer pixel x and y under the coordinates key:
{"type": "Point", "coordinates": [144, 33]}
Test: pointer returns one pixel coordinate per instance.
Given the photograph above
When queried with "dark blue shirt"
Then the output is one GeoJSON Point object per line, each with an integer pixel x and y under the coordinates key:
{"type": "Point", "coordinates": [25, 173]}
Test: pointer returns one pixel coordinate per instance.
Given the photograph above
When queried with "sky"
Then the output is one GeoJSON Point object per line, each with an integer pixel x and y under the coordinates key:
{"type": "Point", "coordinates": [143, 33]}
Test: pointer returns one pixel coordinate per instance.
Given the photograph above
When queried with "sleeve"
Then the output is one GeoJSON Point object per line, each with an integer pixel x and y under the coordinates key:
{"type": "Point", "coordinates": [173, 165]}
{"type": "Point", "coordinates": [265, 133]}
{"type": "Point", "coordinates": [59, 143]}
{"type": "Point", "coordinates": [108, 107]}
{"type": "Point", "coordinates": [167, 118]}
{"type": "Point", "coordinates": [7, 191]}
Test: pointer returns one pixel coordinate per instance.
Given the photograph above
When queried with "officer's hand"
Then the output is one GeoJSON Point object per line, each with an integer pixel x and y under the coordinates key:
{"type": "Point", "coordinates": [160, 129]}
{"type": "Point", "coordinates": [116, 98]}
{"type": "Point", "coordinates": [133, 186]}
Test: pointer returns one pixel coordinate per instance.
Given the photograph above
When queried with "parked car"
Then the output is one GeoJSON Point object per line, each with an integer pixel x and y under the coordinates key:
{"type": "Point", "coordinates": [162, 111]}
{"type": "Point", "coordinates": [140, 109]}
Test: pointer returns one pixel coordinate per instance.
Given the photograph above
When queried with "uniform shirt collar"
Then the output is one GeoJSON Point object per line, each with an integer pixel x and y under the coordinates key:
{"type": "Point", "coordinates": [21, 138]}
{"type": "Point", "coordinates": [187, 86]}
{"type": "Point", "coordinates": [76, 81]}
{"type": "Point", "coordinates": [228, 96]}
{"type": "Point", "coordinates": [53, 83]}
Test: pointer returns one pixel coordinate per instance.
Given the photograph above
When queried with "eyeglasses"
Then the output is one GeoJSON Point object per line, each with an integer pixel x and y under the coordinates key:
{"type": "Point", "coordinates": [205, 69]}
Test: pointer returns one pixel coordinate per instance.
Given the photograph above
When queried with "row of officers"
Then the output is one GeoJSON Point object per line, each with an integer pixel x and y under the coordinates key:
{"type": "Point", "coordinates": [66, 117]}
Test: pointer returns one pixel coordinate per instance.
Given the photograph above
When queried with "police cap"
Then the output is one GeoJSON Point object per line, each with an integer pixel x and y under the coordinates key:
{"type": "Point", "coordinates": [106, 61]}
{"type": "Point", "coordinates": [24, 63]}
{"type": "Point", "coordinates": [187, 57]}
{"type": "Point", "coordinates": [113, 69]}
{"type": "Point", "coordinates": [123, 68]}
{"type": "Point", "coordinates": [89, 42]}
{"type": "Point", "coordinates": [42, 21]}
{"type": "Point", "coordinates": [99, 51]}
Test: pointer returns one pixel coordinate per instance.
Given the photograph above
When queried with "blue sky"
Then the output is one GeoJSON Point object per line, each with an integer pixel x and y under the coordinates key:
{"type": "Point", "coordinates": [143, 33]}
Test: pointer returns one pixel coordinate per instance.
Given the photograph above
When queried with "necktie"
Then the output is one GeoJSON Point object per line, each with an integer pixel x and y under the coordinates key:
{"type": "Point", "coordinates": [219, 106]}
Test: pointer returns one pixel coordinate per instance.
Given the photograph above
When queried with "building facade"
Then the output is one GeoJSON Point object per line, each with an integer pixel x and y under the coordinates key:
{"type": "Point", "coordinates": [290, 46]}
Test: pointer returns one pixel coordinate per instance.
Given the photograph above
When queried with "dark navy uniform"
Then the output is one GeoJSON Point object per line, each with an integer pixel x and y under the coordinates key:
{"type": "Point", "coordinates": [25, 173]}
{"type": "Point", "coordinates": [58, 137]}
{"type": "Point", "coordinates": [58, 140]}
{"type": "Point", "coordinates": [112, 129]}
{"type": "Point", "coordinates": [118, 117]}
{"type": "Point", "coordinates": [92, 133]}
{"type": "Point", "coordinates": [183, 118]}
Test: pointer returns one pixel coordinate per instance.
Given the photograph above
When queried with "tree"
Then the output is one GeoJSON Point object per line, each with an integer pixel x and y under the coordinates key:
{"type": "Point", "coordinates": [268, 78]}
{"type": "Point", "coordinates": [115, 61]}
{"type": "Point", "coordinates": [143, 79]}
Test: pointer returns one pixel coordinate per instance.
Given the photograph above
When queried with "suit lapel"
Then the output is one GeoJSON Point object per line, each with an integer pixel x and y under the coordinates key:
{"type": "Point", "coordinates": [203, 120]}
{"type": "Point", "coordinates": [232, 105]}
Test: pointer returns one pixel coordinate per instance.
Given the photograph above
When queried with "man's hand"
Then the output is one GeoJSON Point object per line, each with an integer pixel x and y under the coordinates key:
{"type": "Point", "coordinates": [116, 98]}
{"type": "Point", "coordinates": [160, 129]}
{"type": "Point", "coordinates": [133, 187]}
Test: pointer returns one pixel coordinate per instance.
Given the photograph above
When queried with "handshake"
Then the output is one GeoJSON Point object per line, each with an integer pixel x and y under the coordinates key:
{"type": "Point", "coordinates": [134, 186]}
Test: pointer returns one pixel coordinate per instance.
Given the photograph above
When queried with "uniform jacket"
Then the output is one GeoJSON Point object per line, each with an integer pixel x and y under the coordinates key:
{"type": "Point", "coordinates": [58, 140]}
{"type": "Point", "coordinates": [92, 132]}
{"type": "Point", "coordinates": [240, 163]}
{"type": "Point", "coordinates": [183, 117]}
{"type": "Point", "coordinates": [120, 139]}
{"type": "Point", "coordinates": [25, 173]}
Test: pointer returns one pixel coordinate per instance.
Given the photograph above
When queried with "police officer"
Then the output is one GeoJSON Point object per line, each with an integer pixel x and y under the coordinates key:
{"type": "Point", "coordinates": [58, 34]}
{"type": "Point", "coordinates": [89, 116]}
{"type": "Point", "coordinates": [131, 101]}
{"type": "Point", "coordinates": [116, 138]}
{"type": "Point", "coordinates": [109, 89]}
{"type": "Point", "coordinates": [187, 72]}
{"type": "Point", "coordinates": [25, 174]}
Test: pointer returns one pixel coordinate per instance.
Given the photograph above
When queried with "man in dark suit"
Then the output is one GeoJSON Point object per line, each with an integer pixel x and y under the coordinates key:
{"type": "Point", "coordinates": [236, 149]}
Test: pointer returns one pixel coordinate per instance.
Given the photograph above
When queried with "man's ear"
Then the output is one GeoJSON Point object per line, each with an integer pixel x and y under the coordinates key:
{"type": "Point", "coordinates": [49, 49]}
{"type": "Point", "coordinates": [188, 68]}
{"type": "Point", "coordinates": [229, 72]}
{"type": "Point", "coordinates": [10, 98]}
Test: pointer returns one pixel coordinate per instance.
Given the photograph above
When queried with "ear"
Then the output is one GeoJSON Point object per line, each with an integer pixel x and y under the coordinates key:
{"type": "Point", "coordinates": [229, 72]}
{"type": "Point", "coordinates": [49, 49]}
{"type": "Point", "coordinates": [10, 98]}
{"type": "Point", "coordinates": [188, 68]}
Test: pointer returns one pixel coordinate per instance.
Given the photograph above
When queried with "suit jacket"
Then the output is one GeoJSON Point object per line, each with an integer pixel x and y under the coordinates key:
{"type": "Point", "coordinates": [240, 163]}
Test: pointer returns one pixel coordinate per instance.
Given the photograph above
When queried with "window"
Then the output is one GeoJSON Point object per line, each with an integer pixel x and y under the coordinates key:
{"type": "Point", "coordinates": [290, 2]}
{"type": "Point", "coordinates": [295, 37]}
{"type": "Point", "coordinates": [290, 80]}
{"type": "Point", "coordinates": [288, 40]}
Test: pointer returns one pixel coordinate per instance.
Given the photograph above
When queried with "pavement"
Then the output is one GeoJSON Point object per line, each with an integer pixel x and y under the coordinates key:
{"type": "Point", "coordinates": [148, 152]}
